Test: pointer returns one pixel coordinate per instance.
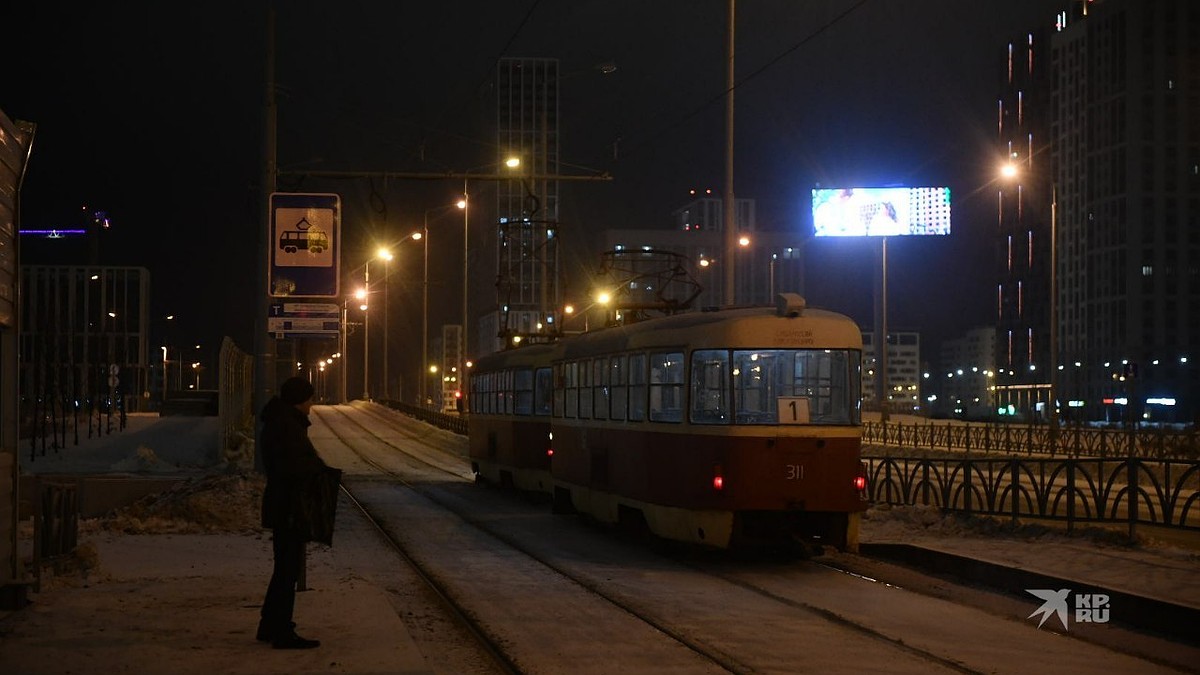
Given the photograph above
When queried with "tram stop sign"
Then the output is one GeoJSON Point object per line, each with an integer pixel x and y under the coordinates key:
{"type": "Point", "coordinates": [303, 243]}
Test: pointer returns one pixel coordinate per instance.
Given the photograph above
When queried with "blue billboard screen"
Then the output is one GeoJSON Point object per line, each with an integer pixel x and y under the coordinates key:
{"type": "Point", "coordinates": [880, 212]}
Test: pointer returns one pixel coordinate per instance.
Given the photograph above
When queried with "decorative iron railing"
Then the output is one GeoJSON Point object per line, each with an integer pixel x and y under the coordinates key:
{"type": "Point", "coordinates": [1129, 490]}
{"type": "Point", "coordinates": [451, 422]}
{"type": "Point", "coordinates": [1029, 439]}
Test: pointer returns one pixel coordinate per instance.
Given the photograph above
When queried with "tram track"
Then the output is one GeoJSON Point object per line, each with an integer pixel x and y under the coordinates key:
{"type": "Point", "coordinates": [648, 609]}
{"type": "Point", "coordinates": [490, 644]}
{"type": "Point", "coordinates": [724, 662]}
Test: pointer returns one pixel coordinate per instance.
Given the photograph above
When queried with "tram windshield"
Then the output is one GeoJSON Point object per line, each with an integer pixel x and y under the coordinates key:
{"type": "Point", "coordinates": [775, 386]}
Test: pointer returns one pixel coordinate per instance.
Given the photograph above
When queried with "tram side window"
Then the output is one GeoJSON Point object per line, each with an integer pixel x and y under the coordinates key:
{"type": "Point", "coordinates": [523, 392]}
{"type": "Point", "coordinates": [495, 401]}
{"type": "Point", "coordinates": [666, 387]}
{"type": "Point", "coordinates": [619, 387]}
{"type": "Point", "coordinates": [585, 389]}
{"type": "Point", "coordinates": [485, 389]}
{"type": "Point", "coordinates": [710, 387]}
{"type": "Point", "coordinates": [600, 383]}
{"type": "Point", "coordinates": [543, 391]}
{"type": "Point", "coordinates": [637, 387]}
{"type": "Point", "coordinates": [571, 385]}
{"type": "Point", "coordinates": [504, 404]}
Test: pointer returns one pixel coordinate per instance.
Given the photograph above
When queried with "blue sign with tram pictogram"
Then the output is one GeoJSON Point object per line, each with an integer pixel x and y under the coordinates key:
{"type": "Point", "coordinates": [303, 243]}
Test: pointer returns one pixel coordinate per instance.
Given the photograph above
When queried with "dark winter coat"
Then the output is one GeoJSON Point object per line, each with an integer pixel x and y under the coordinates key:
{"type": "Point", "coordinates": [295, 473]}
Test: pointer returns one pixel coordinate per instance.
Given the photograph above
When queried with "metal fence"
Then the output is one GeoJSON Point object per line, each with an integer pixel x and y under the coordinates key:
{"type": "Point", "coordinates": [55, 523]}
{"type": "Point", "coordinates": [1070, 441]}
{"type": "Point", "coordinates": [1130, 490]}
{"type": "Point", "coordinates": [451, 422]}
{"type": "Point", "coordinates": [236, 404]}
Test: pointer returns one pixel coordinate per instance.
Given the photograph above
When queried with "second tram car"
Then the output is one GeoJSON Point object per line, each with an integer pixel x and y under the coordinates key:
{"type": "Point", "coordinates": [724, 429]}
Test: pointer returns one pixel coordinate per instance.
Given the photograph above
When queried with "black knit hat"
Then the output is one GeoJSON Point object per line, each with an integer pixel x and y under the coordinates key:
{"type": "Point", "coordinates": [295, 390]}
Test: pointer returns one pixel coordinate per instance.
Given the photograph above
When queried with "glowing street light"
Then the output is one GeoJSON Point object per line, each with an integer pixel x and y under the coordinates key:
{"type": "Point", "coordinates": [386, 256]}
{"type": "Point", "coordinates": [424, 234]}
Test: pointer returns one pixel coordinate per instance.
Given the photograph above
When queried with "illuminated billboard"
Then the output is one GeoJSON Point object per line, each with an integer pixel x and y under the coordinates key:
{"type": "Point", "coordinates": [881, 212]}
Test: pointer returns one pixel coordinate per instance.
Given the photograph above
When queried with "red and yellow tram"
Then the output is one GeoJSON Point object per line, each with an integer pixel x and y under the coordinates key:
{"type": "Point", "coordinates": [723, 429]}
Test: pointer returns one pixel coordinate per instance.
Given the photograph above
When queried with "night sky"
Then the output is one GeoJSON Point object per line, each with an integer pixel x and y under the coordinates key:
{"type": "Point", "coordinates": [153, 113]}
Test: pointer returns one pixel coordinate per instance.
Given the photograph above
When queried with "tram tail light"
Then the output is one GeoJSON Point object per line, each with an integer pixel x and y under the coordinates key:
{"type": "Point", "coordinates": [718, 481]}
{"type": "Point", "coordinates": [860, 481]}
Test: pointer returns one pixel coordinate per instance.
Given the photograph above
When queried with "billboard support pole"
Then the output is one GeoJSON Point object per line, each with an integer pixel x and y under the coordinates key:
{"type": "Point", "coordinates": [882, 341]}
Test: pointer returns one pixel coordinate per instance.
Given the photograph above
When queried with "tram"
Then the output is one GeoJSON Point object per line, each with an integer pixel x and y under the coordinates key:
{"type": "Point", "coordinates": [725, 429]}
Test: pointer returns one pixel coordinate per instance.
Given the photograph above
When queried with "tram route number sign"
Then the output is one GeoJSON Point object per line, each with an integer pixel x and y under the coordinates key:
{"type": "Point", "coordinates": [792, 409]}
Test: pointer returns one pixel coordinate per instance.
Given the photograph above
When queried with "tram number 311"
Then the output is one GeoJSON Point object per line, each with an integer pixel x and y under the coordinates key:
{"type": "Point", "coordinates": [795, 471]}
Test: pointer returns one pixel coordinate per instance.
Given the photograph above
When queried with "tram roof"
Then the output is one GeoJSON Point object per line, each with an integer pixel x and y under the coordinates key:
{"type": "Point", "coordinates": [748, 328]}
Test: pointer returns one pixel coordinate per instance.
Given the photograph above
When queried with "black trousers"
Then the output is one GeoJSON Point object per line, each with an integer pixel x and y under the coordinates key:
{"type": "Point", "coordinates": [281, 592]}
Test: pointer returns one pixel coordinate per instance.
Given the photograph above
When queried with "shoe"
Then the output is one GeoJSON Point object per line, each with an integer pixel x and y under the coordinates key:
{"type": "Point", "coordinates": [293, 641]}
{"type": "Point", "coordinates": [265, 634]}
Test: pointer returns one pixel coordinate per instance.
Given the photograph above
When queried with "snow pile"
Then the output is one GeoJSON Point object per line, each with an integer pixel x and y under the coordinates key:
{"type": "Point", "coordinates": [885, 522]}
{"type": "Point", "coordinates": [141, 461]}
{"type": "Point", "coordinates": [209, 504]}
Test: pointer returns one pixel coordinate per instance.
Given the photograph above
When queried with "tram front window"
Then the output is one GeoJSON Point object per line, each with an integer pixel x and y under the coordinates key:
{"type": "Point", "coordinates": [825, 380]}
{"type": "Point", "coordinates": [810, 386]}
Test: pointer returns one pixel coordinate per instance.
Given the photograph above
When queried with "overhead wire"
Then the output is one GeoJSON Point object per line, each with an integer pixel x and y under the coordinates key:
{"type": "Point", "coordinates": [678, 122]}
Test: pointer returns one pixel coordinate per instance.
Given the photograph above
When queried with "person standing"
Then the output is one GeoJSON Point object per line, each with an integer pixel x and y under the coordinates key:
{"type": "Point", "coordinates": [292, 467]}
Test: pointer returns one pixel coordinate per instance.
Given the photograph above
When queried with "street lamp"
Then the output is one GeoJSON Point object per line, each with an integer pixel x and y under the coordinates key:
{"type": "Point", "coordinates": [513, 163]}
{"type": "Point", "coordinates": [361, 294]}
{"type": "Point", "coordinates": [386, 256]}
{"type": "Point", "coordinates": [424, 233]}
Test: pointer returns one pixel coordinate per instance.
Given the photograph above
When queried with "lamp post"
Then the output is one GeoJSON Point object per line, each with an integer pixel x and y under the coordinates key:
{"type": "Point", "coordinates": [386, 256]}
{"type": "Point", "coordinates": [463, 339]}
{"type": "Point", "coordinates": [361, 294]}
{"type": "Point", "coordinates": [424, 234]}
{"type": "Point", "coordinates": [343, 394]}
{"type": "Point", "coordinates": [1053, 316]}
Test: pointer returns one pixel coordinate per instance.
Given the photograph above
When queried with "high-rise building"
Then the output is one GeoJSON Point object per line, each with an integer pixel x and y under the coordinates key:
{"type": "Point", "coordinates": [84, 338]}
{"type": "Point", "coordinates": [903, 381]}
{"type": "Point", "coordinates": [1120, 163]}
{"type": "Point", "coordinates": [967, 376]}
{"type": "Point", "coordinates": [1023, 226]}
{"type": "Point", "coordinates": [528, 284]}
